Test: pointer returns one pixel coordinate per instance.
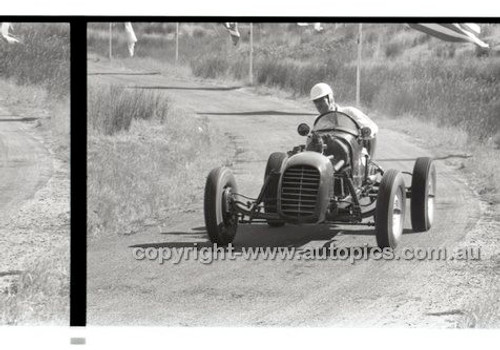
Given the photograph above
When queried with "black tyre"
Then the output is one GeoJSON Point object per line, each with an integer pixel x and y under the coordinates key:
{"type": "Point", "coordinates": [423, 192]}
{"type": "Point", "coordinates": [271, 193]}
{"type": "Point", "coordinates": [390, 209]}
{"type": "Point", "coordinates": [221, 220]}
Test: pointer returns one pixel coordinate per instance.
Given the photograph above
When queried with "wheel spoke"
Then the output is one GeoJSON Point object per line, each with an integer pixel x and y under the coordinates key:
{"type": "Point", "coordinates": [430, 199]}
{"type": "Point", "coordinates": [397, 219]}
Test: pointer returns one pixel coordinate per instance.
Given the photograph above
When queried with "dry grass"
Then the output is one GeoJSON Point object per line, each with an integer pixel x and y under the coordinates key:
{"type": "Point", "coordinates": [112, 108]}
{"type": "Point", "coordinates": [144, 173]}
{"type": "Point", "coordinates": [41, 296]}
{"type": "Point", "coordinates": [484, 313]}
{"type": "Point", "coordinates": [450, 92]}
{"type": "Point", "coordinates": [42, 58]}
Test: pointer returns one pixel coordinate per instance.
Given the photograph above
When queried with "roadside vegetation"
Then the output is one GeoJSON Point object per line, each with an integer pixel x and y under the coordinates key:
{"type": "Point", "coordinates": [41, 294]}
{"type": "Point", "coordinates": [35, 83]}
{"type": "Point", "coordinates": [36, 77]}
{"type": "Point", "coordinates": [42, 58]}
{"type": "Point", "coordinates": [147, 159]}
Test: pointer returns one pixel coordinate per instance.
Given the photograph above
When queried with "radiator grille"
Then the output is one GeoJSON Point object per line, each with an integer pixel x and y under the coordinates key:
{"type": "Point", "coordinates": [299, 191]}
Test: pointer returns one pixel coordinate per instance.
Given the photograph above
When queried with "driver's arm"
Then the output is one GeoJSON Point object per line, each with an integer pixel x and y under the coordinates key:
{"type": "Point", "coordinates": [362, 119]}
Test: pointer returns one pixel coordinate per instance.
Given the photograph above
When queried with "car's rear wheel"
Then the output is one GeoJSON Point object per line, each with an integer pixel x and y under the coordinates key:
{"type": "Point", "coordinates": [271, 193]}
{"type": "Point", "coordinates": [390, 209]}
{"type": "Point", "coordinates": [423, 192]}
{"type": "Point", "coordinates": [221, 218]}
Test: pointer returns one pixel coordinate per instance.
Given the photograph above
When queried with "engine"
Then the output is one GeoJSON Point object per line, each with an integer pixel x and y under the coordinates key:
{"type": "Point", "coordinates": [333, 146]}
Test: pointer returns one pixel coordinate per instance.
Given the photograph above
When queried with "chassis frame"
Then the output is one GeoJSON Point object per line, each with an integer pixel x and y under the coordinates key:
{"type": "Point", "coordinates": [384, 191]}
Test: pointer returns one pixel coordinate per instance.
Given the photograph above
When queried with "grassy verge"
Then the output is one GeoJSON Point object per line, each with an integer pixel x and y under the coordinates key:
{"type": "Point", "coordinates": [147, 159]}
{"type": "Point", "coordinates": [481, 174]}
{"type": "Point", "coordinates": [36, 84]}
{"type": "Point", "coordinates": [41, 295]}
{"type": "Point", "coordinates": [480, 168]}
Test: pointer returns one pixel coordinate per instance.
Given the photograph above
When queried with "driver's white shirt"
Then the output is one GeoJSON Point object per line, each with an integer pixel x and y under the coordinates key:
{"type": "Point", "coordinates": [360, 117]}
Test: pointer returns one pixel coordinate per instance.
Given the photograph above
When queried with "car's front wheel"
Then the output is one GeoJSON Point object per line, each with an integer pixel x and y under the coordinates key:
{"type": "Point", "coordinates": [423, 192]}
{"type": "Point", "coordinates": [270, 197]}
{"type": "Point", "coordinates": [390, 209]}
{"type": "Point", "coordinates": [221, 218]}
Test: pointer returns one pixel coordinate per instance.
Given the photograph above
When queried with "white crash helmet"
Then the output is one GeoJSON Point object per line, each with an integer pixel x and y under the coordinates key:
{"type": "Point", "coordinates": [320, 90]}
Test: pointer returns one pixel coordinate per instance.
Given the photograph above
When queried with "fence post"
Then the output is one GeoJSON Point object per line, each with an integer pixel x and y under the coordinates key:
{"type": "Point", "coordinates": [110, 41]}
{"type": "Point", "coordinates": [176, 42]}
{"type": "Point", "coordinates": [250, 74]}
{"type": "Point", "coordinates": [358, 69]}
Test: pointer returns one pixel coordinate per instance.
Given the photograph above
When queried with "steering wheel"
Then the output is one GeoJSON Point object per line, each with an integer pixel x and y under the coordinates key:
{"type": "Point", "coordinates": [344, 129]}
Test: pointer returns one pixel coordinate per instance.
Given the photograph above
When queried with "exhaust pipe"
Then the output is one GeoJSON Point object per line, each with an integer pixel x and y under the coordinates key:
{"type": "Point", "coordinates": [338, 165]}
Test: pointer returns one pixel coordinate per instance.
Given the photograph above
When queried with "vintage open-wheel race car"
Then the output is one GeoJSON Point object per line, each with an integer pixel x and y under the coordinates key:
{"type": "Point", "coordinates": [329, 180]}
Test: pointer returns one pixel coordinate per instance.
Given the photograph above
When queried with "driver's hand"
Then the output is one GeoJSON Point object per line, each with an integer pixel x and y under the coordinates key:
{"type": "Point", "coordinates": [316, 143]}
{"type": "Point", "coordinates": [366, 132]}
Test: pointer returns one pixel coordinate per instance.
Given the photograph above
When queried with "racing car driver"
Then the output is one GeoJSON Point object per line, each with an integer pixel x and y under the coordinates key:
{"type": "Point", "coordinates": [322, 97]}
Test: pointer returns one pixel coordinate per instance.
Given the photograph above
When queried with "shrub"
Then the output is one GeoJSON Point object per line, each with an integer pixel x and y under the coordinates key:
{"type": "Point", "coordinates": [199, 33]}
{"type": "Point", "coordinates": [112, 108]}
{"type": "Point", "coordinates": [393, 50]}
{"type": "Point", "coordinates": [211, 66]}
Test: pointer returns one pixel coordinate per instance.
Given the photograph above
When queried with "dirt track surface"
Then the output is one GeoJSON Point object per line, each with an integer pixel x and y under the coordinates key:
{"type": "Point", "coordinates": [26, 167]}
{"type": "Point", "coordinates": [124, 291]}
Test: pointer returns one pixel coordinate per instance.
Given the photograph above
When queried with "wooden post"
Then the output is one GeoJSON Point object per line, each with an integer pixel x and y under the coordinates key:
{"type": "Point", "coordinates": [358, 69]}
{"type": "Point", "coordinates": [250, 73]}
{"type": "Point", "coordinates": [176, 43]}
{"type": "Point", "coordinates": [111, 41]}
